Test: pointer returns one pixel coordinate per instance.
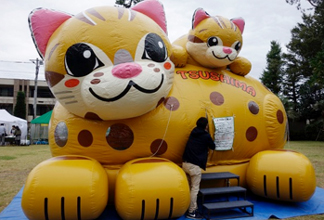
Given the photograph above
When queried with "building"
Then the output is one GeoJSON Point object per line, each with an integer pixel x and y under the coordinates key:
{"type": "Point", "coordinates": [9, 88]}
{"type": "Point", "coordinates": [18, 76]}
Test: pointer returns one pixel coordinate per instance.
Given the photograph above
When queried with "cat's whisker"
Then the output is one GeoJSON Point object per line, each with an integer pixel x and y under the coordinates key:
{"type": "Point", "coordinates": [67, 97]}
{"type": "Point", "coordinates": [63, 92]}
{"type": "Point", "coordinates": [72, 102]}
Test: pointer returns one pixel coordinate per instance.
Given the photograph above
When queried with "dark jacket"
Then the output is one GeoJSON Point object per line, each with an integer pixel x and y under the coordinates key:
{"type": "Point", "coordinates": [196, 151]}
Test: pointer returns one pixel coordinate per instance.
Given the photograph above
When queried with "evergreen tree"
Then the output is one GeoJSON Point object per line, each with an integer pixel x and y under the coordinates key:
{"type": "Point", "coordinates": [291, 82]}
{"type": "Point", "coordinates": [303, 71]}
{"type": "Point", "coordinates": [272, 75]}
{"type": "Point", "coordinates": [317, 64]}
{"type": "Point", "coordinates": [20, 108]}
{"type": "Point", "coordinates": [298, 3]}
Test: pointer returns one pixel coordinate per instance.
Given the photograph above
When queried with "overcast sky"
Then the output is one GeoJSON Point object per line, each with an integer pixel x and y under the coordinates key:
{"type": "Point", "coordinates": [265, 20]}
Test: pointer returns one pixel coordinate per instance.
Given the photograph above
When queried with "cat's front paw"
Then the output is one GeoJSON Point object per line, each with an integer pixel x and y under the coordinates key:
{"type": "Point", "coordinates": [151, 188]}
{"type": "Point", "coordinates": [241, 66]}
{"type": "Point", "coordinates": [73, 187]}
{"type": "Point", "coordinates": [281, 175]}
{"type": "Point", "coordinates": [179, 56]}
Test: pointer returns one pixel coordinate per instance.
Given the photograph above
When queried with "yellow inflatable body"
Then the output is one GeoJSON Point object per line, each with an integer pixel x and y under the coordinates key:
{"type": "Point", "coordinates": [124, 114]}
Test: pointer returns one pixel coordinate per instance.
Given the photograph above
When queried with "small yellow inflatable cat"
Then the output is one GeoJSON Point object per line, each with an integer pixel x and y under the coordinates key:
{"type": "Point", "coordinates": [213, 42]}
{"type": "Point", "coordinates": [124, 114]}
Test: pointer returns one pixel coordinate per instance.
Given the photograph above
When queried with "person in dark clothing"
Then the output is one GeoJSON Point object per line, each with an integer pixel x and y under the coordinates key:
{"type": "Point", "coordinates": [194, 159]}
{"type": "Point", "coordinates": [3, 134]}
{"type": "Point", "coordinates": [17, 135]}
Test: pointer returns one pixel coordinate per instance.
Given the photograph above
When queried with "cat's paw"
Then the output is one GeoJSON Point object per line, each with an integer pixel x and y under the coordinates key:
{"type": "Point", "coordinates": [179, 56]}
{"type": "Point", "coordinates": [241, 66]}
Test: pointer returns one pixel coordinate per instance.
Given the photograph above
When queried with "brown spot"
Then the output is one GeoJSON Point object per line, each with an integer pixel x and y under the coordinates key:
{"type": "Point", "coordinates": [53, 78]}
{"type": "Point", "coordinates": [253, 107]}
{"type": "Point", "coordinates": [95, 81]}
{"type": "Point", "coordinates": [157, 70]}
{"type": "Point", "coordinates": [119, 136]}
{"type": "Point", "coordinates": [151, 65]}
{"type": "Point", "coordinates": [280, 116]}
{"type": "Point", "coordinates": [92, 116]}
{"type": "Point", "coordinates": [98, 74]}
{"type": "Point", "coordinates": [85, 138]}
{"type": "Point", "coordinates": [171, 103]}
{"type": "Point", "coordinates": [159, 147]}
{"type": "Point", "coordinates": [61, 134]}
{"type": "Point", "coordinates": [216, 98]}
{"type": "Point", "coordinates": [251, 133]}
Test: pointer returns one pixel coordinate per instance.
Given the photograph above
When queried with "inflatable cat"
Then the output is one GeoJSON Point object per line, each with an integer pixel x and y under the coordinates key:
{"type": "Point", "coordinates": [213, 42]}
{"type": "Point", "coordinates": [124, 114]}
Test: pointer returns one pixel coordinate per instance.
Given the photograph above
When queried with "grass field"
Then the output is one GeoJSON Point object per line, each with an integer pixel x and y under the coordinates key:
{"type": "Point", "coordinates": [17, 162]}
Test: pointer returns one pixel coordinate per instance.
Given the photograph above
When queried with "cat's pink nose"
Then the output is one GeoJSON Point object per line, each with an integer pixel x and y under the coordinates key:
{"type": "Point", "coordinates": [227, 50]}
{"type": "Point", "coordinates": [126, 70]}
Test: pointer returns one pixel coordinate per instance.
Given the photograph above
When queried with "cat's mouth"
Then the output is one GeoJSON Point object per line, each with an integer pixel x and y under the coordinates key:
{"type": "Point", "coordinates": [221, 58]}
{"type": "Point", "coordinates": [128, 87]}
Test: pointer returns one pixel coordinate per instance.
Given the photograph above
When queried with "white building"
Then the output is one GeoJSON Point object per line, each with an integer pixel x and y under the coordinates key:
{"type": "Point", "coordinates": [20, 76]}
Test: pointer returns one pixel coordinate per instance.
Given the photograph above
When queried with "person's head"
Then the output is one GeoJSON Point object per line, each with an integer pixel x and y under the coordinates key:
{"type": "Point", "coordinates": [202, 122]}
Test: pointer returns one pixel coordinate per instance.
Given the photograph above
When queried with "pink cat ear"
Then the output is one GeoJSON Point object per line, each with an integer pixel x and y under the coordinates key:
{"type": "Point", "coordinates": [239, 22]}
{"type": "Point", "coordinates": [42, 23]}
{"type": "Point", "coordinates": [198, 16]}
{"type": "Point", "coordinates": [154, 10]}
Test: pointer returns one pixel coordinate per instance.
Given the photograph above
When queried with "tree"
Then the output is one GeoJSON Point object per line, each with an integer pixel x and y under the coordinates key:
{"type": "Point", "coordinates": [303, 60]}
{"type": "Point", "coordinates": [311, 101]}
{"type": "Point", "coordinates": [303, 71]}
{"type": "Point", "coordinates": [20, 108]}
{"type": "Point", "coordinates": [291, 81]}
{"type": "Point", "coordinates": [127, 3]}
{"type": "Point", "coordinates": [272, 75]}
{"type": "Point", "coordinates": [313, 3]}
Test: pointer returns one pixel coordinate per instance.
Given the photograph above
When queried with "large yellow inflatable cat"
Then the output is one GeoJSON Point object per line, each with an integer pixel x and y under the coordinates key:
{"type": "Point", "coordinates": [124, 114]}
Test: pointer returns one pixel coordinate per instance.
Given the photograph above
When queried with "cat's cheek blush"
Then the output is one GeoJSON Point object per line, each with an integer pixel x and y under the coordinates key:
{"type": "Point", "coordinates": [72, 83]}
{"type": "Point", "coordinates": [167, 65]}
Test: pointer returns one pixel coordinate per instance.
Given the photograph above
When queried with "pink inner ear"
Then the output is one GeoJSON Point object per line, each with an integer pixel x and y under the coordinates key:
{"type": "Point", "coordinates": [240, 23]}
{"type": "Point", "coordinates": [43, 23]}
{"type": "Point", "coordinates": [199, 15]}
{"type": "Point", "coordinates": [154, 10]}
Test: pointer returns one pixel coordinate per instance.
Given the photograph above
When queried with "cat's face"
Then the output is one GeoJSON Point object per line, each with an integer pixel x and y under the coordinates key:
{"type": "Point", "coordinates": [109, 63]}
{"type": "Point", "coordinates": [214, 41]}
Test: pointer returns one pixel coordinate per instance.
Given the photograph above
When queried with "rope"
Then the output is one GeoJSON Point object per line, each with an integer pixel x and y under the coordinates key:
{"type": "Point", "coordinates": [165, 132]}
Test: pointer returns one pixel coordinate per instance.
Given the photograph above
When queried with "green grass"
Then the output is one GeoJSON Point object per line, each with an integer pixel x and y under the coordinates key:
{"type": "Point", "coordinates": [314, 150]}
{"type": "Point", "coordinates": [7, 157]}
{"type": "Point", "coordinates": [17, 162]}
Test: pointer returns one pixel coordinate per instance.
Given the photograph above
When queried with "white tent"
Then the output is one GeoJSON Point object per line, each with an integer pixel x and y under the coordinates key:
{"type": "Point", "coordinates": [10, 120]}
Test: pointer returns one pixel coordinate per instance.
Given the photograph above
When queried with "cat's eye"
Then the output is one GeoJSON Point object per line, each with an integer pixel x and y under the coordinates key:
{"type": "Point", "coordinates": [80, 60]}
{"type": "Point", "coordinates": [237, 45]}
{"type": "Point", "coordinates": [154, 48]}
{"type": "Point", "coordinates": [213, 41]}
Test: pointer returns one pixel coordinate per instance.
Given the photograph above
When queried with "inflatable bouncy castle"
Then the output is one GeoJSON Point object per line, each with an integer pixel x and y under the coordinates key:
{"type": "Point", "coordinates": [127, 100]}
